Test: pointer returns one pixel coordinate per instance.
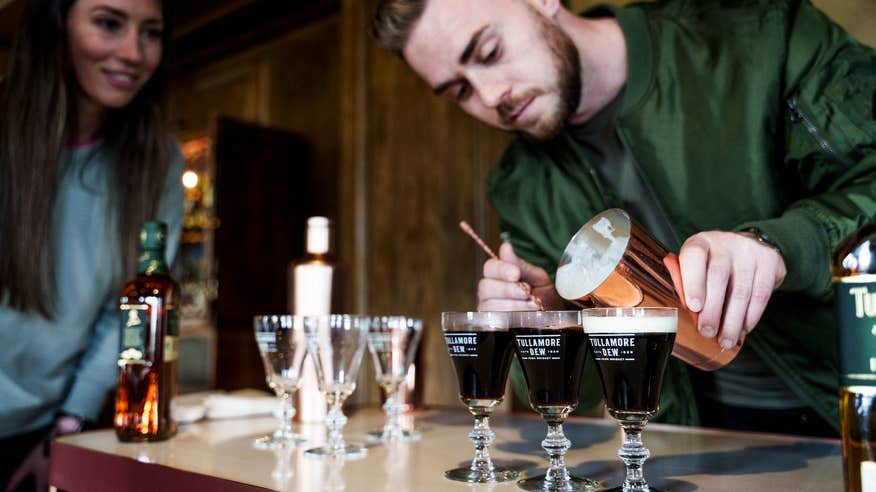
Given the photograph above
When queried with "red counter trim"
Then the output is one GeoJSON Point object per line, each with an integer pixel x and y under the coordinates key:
{"type": "Point", "coordinates": [74, 469]}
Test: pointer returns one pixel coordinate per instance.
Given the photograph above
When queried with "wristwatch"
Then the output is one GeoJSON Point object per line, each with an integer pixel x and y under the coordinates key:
{"type": "Point", "coordinates": [761, 237]}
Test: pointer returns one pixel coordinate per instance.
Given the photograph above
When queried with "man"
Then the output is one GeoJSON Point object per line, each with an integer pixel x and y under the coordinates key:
{"type": "Point", "coordinates": [741, 134]}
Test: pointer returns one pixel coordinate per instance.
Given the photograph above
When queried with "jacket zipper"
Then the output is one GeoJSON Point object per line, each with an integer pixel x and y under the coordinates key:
{"type": "Point", "coordinates": [797, 115]}
{"type": "Point", "coordinates": [661, 210]}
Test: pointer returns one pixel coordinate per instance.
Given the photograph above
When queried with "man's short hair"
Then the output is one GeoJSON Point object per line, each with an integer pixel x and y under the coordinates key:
{"type": "Point", "coordinates": [393, 22]}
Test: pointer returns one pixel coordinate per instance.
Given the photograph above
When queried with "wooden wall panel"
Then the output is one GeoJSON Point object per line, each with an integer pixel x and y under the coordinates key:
{"type": "Point", "coordinates": [421, 165]}
{"type": "Point", "coordinates": [292, 84]}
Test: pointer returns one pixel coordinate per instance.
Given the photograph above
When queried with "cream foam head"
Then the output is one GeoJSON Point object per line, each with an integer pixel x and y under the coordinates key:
{"type": "Point", "coordinates": [601, 320]}
{"type": "Point", "coordinates": [593, 253]}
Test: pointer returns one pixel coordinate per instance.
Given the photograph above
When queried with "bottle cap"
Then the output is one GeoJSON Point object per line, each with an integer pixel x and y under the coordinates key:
{"type": "Point", "coordinates": [153, 235]}
{"type": "Point", "coordinates": [317, 235]}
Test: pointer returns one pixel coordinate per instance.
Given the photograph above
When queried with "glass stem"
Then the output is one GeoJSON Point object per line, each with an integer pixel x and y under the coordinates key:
{"type": "Point", "coordinates": [335, 421]}
{"type": "Point", "coordinates": [634, 453]}
{"type": "Point", "coordinates": [392, 428]}
{"type": "Point", "coordinates": [287, 411]}
{"type": "Point", "coordinates": [556, 444]}
{"type": "Point", "coordinates": [482, 436]}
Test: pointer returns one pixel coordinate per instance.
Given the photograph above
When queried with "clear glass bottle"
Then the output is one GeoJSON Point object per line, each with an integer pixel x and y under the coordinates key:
{"type": "Point", "coordinates": [149, 308]}
{"type": "Point", "coordinates": [854, 279]}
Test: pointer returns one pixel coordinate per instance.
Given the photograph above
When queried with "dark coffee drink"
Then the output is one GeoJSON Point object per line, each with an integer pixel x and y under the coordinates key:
{"type": "Point", "coordinates": [552, 359]}
{"type": "Point", "coordinates": [631, 364]}
{"type": "Point", "coordinates": [481, 360]}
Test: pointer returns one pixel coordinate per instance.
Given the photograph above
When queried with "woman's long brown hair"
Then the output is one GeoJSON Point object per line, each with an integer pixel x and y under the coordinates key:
{"type": "Point", "coordinates": [37, 119]}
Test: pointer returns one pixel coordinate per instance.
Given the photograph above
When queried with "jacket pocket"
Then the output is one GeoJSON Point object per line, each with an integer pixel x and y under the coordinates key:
{"type": "Point", "coordinates": [798, 116]}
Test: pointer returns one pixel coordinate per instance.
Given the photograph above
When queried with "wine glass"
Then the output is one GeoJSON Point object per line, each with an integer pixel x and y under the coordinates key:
{"type": "Point", "coordinates": [550, 346]}
{"type": "Point", "coordinates": [393, 341]}
{"type": "Point", "coordinates": [480, 347]}
{"type": "Point", "coordinates": [631, 347]}
{"type": "Point", "coordinates": [336, 343]}
{"type": "Point", "coordinates": [282, 346]}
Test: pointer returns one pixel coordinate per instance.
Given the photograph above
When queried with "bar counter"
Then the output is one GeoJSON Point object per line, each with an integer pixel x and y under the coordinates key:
{"type": "Point", "coordinates": [219, 456]}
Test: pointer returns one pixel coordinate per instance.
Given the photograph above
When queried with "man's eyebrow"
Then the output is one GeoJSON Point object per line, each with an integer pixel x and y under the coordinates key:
{"type": "Point", "coordinates": [472, 44]}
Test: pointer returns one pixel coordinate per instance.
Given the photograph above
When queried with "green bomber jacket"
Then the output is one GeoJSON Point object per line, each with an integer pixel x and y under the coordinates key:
{"type": "Point", "coordinates": [738, 114]}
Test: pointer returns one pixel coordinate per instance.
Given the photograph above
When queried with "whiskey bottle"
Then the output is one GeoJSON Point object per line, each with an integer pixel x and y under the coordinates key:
{"type": "Point", "coordinates": [854, 278]}
{"type": "Point", "coordinates": [148, 354]}
{"type": "Point", "coordinates": [313, 290]}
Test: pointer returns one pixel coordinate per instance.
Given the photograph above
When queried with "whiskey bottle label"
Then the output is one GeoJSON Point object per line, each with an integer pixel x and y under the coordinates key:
{"type": "Point", "coordinates": [171, 348]}
{"type": "Point", "coordinates": [172, 322]}
{"type": "Point", "coordinates": [855, 303]}
{"type": "Point", "coordinates": [133, 323]}
{"type": "Point", "coordinates": [171, 335]}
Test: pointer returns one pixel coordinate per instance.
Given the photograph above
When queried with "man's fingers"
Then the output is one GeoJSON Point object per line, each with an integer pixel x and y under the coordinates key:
{"type": "Point", "coordinates": [489, 288]}
{"type": "Point", "coordinates": [761, 291]}
{"type": "Point", "coordinates": [717, 276]}
{"type": "Point", "coordinates": [738, 296]}
{"type": "Point", "coordinates": [501, 270]}
{"type": "Point", "coordinates": [693, 260]}
{"type": "Point", "coordinates": [506, 305]}
{"type": "Point", "coordinates": [528, 272]}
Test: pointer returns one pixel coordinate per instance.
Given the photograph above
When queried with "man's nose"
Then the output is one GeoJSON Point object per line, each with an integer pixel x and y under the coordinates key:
{"type": "Point", "coordinates": [130, 48]}
{"type": "Point", "coordinates": [490, 90]}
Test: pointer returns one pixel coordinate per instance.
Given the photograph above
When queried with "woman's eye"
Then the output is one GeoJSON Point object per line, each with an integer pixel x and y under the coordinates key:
{"type": "Point", "coordinates": [108, 24]}
{"type": "Point", "coordinates": [153, 34]}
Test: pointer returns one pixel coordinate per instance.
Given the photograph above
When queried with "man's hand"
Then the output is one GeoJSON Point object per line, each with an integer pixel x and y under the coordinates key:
{"type": "Point", "coordinates": [499, 290]}
{"type": "Point", "coordinates": [728, 278]}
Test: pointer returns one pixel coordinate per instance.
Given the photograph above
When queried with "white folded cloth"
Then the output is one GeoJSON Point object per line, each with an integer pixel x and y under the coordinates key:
{"type": "Point", "coordinates": [223, 405]}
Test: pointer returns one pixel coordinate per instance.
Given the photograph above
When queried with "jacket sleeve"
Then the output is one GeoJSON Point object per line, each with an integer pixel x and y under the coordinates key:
{"type": "Point", "coordinates": [97, 372]}
{"type": "Point", "coordinates": [830, 134]}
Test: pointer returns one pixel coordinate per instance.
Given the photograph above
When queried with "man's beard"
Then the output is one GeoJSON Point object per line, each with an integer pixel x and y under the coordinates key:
{"type": "Point", "coordinates": [568, 88]}
{"type": "Point", "coordinates": [568, 63]}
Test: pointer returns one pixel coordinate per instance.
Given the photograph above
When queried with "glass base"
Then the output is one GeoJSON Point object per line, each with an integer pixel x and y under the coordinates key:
{"type": "Point", "coordinates": [403, 435]}
{"type": "Point", "coordinates": [470, 476]}
{"type": "Point", "coordinates": [272, 442]}
{"type": "Point", "coordinates": [647, 489]}
{"type": "Point", "coordinates": [574, 484]}
{"type": "Point", "coordinates": [350, 451]}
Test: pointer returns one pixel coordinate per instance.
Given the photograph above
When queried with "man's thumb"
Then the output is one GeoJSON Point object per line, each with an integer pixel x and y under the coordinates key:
{"type": "Point", "coordinates": [528, 271]}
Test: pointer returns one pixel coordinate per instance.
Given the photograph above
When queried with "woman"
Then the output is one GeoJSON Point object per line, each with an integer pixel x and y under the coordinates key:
{"type": "Point", "coordinates": [85, 157]}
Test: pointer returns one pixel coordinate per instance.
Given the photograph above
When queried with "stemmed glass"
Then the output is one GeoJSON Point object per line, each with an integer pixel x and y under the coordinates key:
{"type": "Point", "coordinates": [336, 343]}
{"type": "Point", "coordinates": [551, 348]}
{"type": "Point", "coordinates": [480, 347]}
{"type": "Point", "coordinates": [631, 347]}
{"type": "Point", "coordinates": [393, 341]}
{"type": "Point", "coordinates": [282, 347]}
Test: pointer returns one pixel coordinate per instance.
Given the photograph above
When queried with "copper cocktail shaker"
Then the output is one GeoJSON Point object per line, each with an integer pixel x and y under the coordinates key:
{"type": "Point", "coordinates": [612, 261]}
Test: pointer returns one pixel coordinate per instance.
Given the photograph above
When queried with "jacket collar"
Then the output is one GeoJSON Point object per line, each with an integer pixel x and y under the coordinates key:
{"type": "Point", "coordinates": [640, 57]}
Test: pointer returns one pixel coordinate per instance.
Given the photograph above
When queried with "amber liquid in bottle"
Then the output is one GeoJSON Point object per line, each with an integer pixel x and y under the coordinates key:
{"type": "Point", "coordinates": [854, 277]}
{"type": "Point", "coordinates": [147, 383]}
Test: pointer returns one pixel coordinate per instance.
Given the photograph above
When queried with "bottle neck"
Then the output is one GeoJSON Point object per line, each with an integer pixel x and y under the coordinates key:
{"type": "Point", "coordinates": [152, 261]}
{"type": "Point", "coordinates": [317, 241]}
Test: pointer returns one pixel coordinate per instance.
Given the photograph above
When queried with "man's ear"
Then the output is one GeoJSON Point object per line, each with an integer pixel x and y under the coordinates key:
{"type": "Point", "coordinates": [548, 8]}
